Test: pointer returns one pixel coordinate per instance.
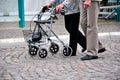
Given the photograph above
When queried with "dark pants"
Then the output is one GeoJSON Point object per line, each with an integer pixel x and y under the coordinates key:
{"type": "Point", "coordinates": [72, 26]}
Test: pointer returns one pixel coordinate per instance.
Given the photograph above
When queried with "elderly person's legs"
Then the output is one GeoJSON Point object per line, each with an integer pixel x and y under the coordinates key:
{"type": "Point", "coordinates": [72, 25]}
{"type": "Point", "coordinates": [89, 25]}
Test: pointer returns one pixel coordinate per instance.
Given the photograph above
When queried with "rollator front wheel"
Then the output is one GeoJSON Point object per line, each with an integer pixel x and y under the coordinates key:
{"type": "Point", "coordinates": [43, 53]}
{"type": "Point", "coordinates": [33, 50]}
{"type": "Point", "coordinates": [67, 51]}
{"type": "Point", "coordinates": [54, 48]}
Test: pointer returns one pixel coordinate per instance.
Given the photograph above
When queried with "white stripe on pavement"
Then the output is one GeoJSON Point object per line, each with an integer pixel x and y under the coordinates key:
{"type": "Point", "coordinates": [63, 37]}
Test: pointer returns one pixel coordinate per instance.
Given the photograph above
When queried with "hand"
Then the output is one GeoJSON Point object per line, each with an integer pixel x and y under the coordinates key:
{"type": "Point", "coordinates": [87, 3]}
{"type": "Point", "coordinates": [60, 7]}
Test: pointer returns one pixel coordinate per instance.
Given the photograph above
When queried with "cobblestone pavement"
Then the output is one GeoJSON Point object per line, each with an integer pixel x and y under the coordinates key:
{"type": "Point", "coordinates": [17, 64]}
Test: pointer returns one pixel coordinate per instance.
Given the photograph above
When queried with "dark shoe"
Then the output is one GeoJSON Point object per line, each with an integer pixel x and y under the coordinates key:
{"type": "Point", "coordinates": [88, 57]}
{"type": "Point", "coordinates": [101, 50]}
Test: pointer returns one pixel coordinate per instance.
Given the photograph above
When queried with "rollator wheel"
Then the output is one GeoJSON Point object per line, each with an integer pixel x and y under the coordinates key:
{"type": "Point", "coordinates": [33, 50]}
{"type": "Point", "coordinates": [67, 51]}
{"type": "Point", "coordinates": [43, 53]}
{"type": "Point", "coordinates": [54, 48]}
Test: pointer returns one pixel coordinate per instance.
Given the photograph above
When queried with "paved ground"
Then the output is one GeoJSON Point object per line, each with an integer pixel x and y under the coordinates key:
{"type": "Point", "coordinates": [17, 64]}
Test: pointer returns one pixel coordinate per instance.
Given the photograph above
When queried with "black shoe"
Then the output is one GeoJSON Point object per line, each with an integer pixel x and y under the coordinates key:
{"type": "Point", "coordinates": [101, 50]}
{"type": "Point", "coordinates": [88, 57]}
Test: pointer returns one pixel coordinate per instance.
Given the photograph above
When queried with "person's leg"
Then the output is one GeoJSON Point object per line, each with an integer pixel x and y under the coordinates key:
{"type": "Point", "coordinates": [81, 40]}
{"type": "Point", "coordinates": [92, 32]}
{"type": "Point", "coordinates": [101, 48]}
{"type": "Point", "coordinates": [83, 19]}
{"type": "Point", "coordinates": [71, 25]}
{"type": "Point", "coordinates": [83, 24]}
{"type": "Point", "coordinates": [92, 29]}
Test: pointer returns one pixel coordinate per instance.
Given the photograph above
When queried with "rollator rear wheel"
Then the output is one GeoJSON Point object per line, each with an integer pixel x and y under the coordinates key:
{"type": "Point", "coordinates": [43, 53]}
{"type": "Point", "coordinates": [54, 48]}
{"type": "Point", "coordinates": [67, 51]}
{"type": "Point", "coordinates": [33, 50]}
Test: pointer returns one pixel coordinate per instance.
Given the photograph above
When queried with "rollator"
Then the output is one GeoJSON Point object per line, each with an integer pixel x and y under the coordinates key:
{"type": "Point", "coordinates": [40, 36]}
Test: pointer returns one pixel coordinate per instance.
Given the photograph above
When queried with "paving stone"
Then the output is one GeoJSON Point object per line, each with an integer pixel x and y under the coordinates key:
{"type": "Point", "coordinates": [17, 64]}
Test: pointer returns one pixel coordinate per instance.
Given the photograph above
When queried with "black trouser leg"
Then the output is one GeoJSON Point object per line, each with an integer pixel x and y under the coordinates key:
{"type": "Point", "coordinates": [72, 25]}
{"type": "Point", "coordinates": [81, 40]}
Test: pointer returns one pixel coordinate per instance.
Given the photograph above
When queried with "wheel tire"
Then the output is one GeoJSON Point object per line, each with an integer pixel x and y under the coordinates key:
{"type": "Point", "coordinates": [43, 53]}
{"type": "Point", "coordinates": [67, 51]}
{"type": "Point", "coordinates": [33, 50]}
{"type": "Point", "coordinates": [54, 48]}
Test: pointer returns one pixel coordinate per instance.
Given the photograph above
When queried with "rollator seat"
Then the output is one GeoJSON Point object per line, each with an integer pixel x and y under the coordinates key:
{"type": "Point", "coordinates": [44, 22]}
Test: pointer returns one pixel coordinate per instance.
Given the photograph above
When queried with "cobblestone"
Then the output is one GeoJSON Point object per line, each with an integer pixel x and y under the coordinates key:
{"type": "Point", "coordinates": [17, 64]}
